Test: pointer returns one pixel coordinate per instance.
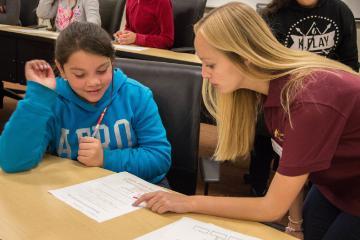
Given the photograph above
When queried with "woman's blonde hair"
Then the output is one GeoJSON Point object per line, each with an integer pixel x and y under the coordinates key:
{"type": "Point", "coordinates": [237, 31]}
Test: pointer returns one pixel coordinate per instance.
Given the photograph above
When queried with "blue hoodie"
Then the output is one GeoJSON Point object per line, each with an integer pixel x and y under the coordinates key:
{"type": "Point", "coordinates": [131, 133]}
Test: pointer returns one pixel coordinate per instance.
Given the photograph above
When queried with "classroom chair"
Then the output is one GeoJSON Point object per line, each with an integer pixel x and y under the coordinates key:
{"type": "Point", "coordinates": [177, 92]}
{"type": "Point", "coordinates": [111, 12]}
{"type": "Point", "coordinates": [186, 14]}
{"type": "Point", "coordinates": [9, 92]}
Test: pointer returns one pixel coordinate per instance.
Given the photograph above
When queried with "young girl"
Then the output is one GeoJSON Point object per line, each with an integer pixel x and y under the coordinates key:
{"type": "Point", "coordinates": [312, 109]}
{"type": "Point", "coordinates": [60, 115]}
{"type": "Point", "coordinates": [148, 23]}
{"type": "Point", "coordinates": [68, 11]}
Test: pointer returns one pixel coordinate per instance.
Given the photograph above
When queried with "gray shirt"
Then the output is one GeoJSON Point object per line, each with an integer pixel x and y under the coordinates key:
{"type": "Point", "coordinates": [12, 12]}
{"type": "Point", "coordinates": [89, 10]}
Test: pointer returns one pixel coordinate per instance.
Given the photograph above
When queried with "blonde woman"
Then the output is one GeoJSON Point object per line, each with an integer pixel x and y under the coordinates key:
{"type": "Point", "coordinates": [312, 108]}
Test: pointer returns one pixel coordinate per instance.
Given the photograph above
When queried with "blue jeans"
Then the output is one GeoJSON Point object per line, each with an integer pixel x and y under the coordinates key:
{"type": "Point", "coordinates": [322, 220]}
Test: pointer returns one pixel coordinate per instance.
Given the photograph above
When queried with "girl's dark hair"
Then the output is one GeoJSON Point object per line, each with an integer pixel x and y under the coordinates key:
{"type": "Point", "coordinates": [274, 6]}
{"type": "Point", "coordinates": [85, 36]}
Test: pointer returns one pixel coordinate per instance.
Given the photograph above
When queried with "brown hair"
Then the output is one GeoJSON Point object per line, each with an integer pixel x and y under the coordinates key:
{"type": "Point", "coordinates": [274, 6]}
{"type": "Point", "coordinates": [85, 36]}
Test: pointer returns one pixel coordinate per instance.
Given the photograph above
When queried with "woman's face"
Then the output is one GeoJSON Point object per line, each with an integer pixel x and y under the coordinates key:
{"type": "Point", "coordinates": [89, 75]}
{"type": "Point", "coordinates": [220, 71]}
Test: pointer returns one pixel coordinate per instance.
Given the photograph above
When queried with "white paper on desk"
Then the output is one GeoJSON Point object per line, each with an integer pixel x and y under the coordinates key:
{"type": "Point", "coordinates": [188, 228]}
{"type": "Point", "coordinates": [107, 197]}
{"type": "Point", "coordinates": [131, 48]}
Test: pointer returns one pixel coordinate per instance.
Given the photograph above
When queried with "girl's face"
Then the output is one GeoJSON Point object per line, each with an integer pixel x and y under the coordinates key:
{"type": "Point", "coordinates": [89, 75]}
{"type": "Point", "coordinates": [217, 68]}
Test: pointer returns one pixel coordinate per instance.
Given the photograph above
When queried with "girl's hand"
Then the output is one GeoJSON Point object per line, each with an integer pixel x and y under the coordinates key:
{"type": "Point", "coordinates": [116, 35]}
{"type": "Point", "coordinates": [40, 71]}
{"type": "Point", "coordinates": [161, 202]}
{"type": "Point", "coordinates": [91, 152]}
{"type": "Point", "coordinates": [125, 37]}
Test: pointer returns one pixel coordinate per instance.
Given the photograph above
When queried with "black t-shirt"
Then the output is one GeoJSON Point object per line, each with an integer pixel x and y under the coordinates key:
{"type": "Point", "coordinates": [328, 29]}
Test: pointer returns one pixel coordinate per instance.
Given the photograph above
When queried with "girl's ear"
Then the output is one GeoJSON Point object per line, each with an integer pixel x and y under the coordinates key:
{"type": "Point", "coordinates": [60, 68]}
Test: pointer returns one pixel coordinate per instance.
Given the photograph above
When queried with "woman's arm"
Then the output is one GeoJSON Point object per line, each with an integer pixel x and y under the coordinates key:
{"type": "Point", "coordinates": [26, 135]}
{"type": "Point", "coordinates": [282, 192]}
{"type": "Point", "coordinates": [47, 9]}
{"type": "Point", "coordinates": [91, 8]}
{"type": "Point", "coordinates": [295, 219]}
{"type": "Point", "coordinates": [347, 51]}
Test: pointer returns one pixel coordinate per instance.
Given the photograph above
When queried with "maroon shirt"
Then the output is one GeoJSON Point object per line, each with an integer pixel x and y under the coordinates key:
{"type": "Point", "coordinates": [152, 21]}
{"type": "Point", "coordinates": [325, 138]}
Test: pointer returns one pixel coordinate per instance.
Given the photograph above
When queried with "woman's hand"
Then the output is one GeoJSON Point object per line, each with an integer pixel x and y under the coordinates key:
{"type": "Point", "coordinates": [162, 202]}
{"type": "Point", "coordinates": [40, 71]}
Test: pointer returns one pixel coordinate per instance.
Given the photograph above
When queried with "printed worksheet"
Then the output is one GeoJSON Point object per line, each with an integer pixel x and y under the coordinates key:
{"type": "Point", "coordinates": [188, 228]}
{"type": "Point", "coordinates": [107, 197]}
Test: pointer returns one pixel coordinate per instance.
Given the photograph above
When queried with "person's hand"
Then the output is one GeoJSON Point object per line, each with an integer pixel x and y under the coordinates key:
{"type": "Point", "coordinates": [90, 152]}
{"type": "Point", "coordinates": [117, 34]}
{"type": "Point", "coordinates": [2, 8]}
{"type": "Point", "coordinates": [40, 71]}
{"type": "Point", "coordinates": [162, 202]}
{"type": "Point", "coordinates": [125, 37]}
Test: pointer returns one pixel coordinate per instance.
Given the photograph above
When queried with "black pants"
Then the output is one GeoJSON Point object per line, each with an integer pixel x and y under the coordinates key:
{"type": "Point", "coordinates": [322, 220]}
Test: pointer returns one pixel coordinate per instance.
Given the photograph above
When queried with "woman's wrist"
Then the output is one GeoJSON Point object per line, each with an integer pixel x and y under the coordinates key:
{"type": "Point", "coordinates": [294, 225]}
{"type": "Point", "coordinates": [192, 203]}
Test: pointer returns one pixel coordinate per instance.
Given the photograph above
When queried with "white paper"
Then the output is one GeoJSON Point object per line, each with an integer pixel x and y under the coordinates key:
{"type": "Point", "coordinates": [188, 228]}
{"type": "Point", "coordinates": [107, 197]}
{"type": "Point", "coordinates": [131, 48]}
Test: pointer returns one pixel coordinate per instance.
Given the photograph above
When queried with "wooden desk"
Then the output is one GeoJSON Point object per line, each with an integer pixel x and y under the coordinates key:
{"type": "Point", "coordinates": [20, 44]}
{"type": "Point", "coordinates": [160, 55]}
{"type": "Point", "coordinates": [28, 211]}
